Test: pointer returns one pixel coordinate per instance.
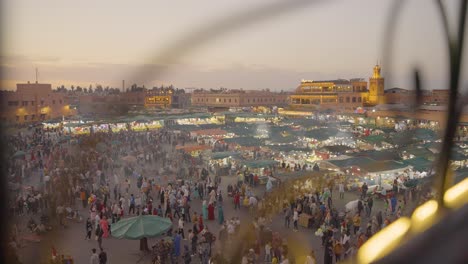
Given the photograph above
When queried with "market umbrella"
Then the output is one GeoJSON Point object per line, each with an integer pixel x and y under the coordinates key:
{"type": "Point", "coordinates": [19, 154]}
{"type": "Point", "coordinates": [140, 227]}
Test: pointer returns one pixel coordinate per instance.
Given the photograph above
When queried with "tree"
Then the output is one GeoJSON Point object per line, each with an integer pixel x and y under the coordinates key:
{"type": "Point", "coordinates": [72, 88]}
{"type": "Point", "coordinates": [86, 90]}
{"type": "Point", "coordinates": [99, 88]}
{"type": "Point", "coordinates": [79, 89]}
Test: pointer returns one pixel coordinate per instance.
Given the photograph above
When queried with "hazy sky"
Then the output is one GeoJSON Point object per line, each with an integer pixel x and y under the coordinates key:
{"type": "Point", "coordinates": [89, 42]}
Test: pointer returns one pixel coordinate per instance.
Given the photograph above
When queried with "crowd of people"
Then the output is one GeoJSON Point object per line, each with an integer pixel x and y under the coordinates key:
{"type": "Point", "coordinates": [112, 176]}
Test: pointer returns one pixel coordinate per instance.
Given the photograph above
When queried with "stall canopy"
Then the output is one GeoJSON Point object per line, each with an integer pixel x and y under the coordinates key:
{"type": "Point", "coordinates": [378, 155]}
{"type": "Point", "coordinates": [356, 161]}
{"type": "Point", "coordinates": [286, 148]}
{"type": "Point", "coordinates": [191, 148]}
{"type": "Point", "coordinates": [419, 163]}
{"type": "Point", "coordinates": [461, 174]}
{"type": "Point", "coordinates": [375, 139]}
{"type": "Point", "coordinates": [245, 141]}
{"type": "Point", "coordinates": [223, 155]}
{"type": "Point", "coordinates": [209, 132]}
{"type": "Point", "coordinates": [425, 134]}
{"type": "Point", "coordinates": [419, 152]}
{"type": "Point", "coordinates": [387, 165]}
{"type": "Point", "coordinates": [254, 164]}
{"type": "Point", "coordinates": [326, 133]}
{"type": "Point", "coordinates": [338, 149]}
{"type": "Point", "coordinates": [458, 156]}
{"type": "Point", "coordinates": [139, 227]}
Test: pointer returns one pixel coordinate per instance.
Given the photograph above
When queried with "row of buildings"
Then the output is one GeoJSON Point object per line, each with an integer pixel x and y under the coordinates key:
{"type": "Point", "coordinates": [33, 102]}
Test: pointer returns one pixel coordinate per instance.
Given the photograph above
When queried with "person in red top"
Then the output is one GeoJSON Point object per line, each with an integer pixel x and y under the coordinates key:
{"type": "Point", "coordinates": [236, 201]}
{"type": "Point", "coordinates": [200, 224]}
{"type": "Point", "coordinates": [255, 180]}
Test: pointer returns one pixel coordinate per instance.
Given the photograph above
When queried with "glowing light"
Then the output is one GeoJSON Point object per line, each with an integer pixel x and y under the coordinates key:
{"type": "Point", "coordinates": [384, 241]}
{"type": "Point", "coordinates": [457, 195]}
{"type": "Point", "coordinates": [424, 216]}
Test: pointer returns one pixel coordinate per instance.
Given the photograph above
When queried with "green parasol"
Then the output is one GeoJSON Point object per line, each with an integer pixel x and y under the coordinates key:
{"type": "Point", "coordinates": [19, 154]}
{"type": "Point", "coordinates": [140, 227]}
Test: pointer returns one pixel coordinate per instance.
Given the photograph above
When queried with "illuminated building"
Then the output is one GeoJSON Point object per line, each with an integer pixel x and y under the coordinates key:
{"type": "Point", "coordinates": [339, 94]}
{"type": "Point", "coordinates": [237, 98]}
{"type": "Point", "coordinates": [33, 102]}
{"type": "Point", "coordinates": [376, 87]}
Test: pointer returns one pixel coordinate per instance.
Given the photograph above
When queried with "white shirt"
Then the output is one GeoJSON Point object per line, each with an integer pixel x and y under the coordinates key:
{"type": "Point", "coordinates": [94, 259]}
{"type": "Point", "coordinates": [230, 229]}
{"type": "Point", "coordinates": [341, 187]}
{"type": "Point", "coordinates": [181, 223]}
{"type": "Point", "coordinates": [252, 201]}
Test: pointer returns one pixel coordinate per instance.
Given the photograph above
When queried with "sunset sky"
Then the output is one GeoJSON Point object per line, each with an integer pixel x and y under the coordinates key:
{"type": "Point", "coordinates": [104, 42]}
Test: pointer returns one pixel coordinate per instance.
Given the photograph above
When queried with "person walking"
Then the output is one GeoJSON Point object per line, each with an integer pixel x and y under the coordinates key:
{"type": "Point", "coordinates": [341, 190]}
{"type": "Point", "coordinates": [94, 259]}
{"type": "Point", "coordinates": [287, 216]}
{"type": "Point", "coordinates": [236, 201]}
{"type": "Point", "coordinates": [89, 229]}
{"type": "Point", "coordinates": [102, 257]}
{"type": "Point", "coordinates": [370, 203]}
{"type": "Point", "coordinates": [131, 208]}
{"type": "Point", "coordinates": [83, 199]}
{"type": "Point", "coordinates": [295, 219]}
{"type": "Point", "coordinates": [99, 234]}
{"type": "Point", "coordinates": [364, 189]}
{"type": "Point", "coordinates": [220, 214]}
{"type": "Point", "coordinates": [356, 223]}
{"type": "Point", "coordinates": [181, 228]}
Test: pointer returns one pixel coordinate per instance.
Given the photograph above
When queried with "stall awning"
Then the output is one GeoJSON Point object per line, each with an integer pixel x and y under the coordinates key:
{"type": "Point", "coordinates": [388, 165]}
{"type": "Point", "coordinates": [419, 163]}
{"type": "Point", "coordinates": [245, 141]}
{"type": "Point", "coordinates": [378, 155]}
{"type": "Point", "coordinates": [321, 133]}
{"type": "Point", "coordinates": [357, 161]}
{"type": "Point", "coordinates": [254, 164]}
{"type": "Point", "coordinates": [222, 155]}
{"type": "Point", "coordinates": [209, 132]}
{"type": "Point", "coordinates": [374, 139]}
{"type": "Point", "coordinates": [191, 148]}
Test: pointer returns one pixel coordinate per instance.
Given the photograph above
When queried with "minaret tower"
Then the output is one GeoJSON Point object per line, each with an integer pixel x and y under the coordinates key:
{"type": "Point", "coordinates": [376, 87]}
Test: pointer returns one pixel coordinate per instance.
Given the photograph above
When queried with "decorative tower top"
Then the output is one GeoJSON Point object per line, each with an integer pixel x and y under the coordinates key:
{"type": "Point", "coordinates": [376, 74]}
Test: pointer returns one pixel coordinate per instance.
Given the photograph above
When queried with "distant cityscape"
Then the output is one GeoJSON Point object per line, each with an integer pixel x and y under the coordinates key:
{"type": "Point", "coordinates": [38, 102]}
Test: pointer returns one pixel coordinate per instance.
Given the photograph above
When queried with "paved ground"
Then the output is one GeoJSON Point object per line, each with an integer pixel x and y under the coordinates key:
{"type": "Point", "coordinates": [70, 241]}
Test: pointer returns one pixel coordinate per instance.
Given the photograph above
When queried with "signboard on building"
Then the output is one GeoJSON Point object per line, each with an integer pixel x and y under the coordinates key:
{"type": "Point", "coordinates": [158, 101]}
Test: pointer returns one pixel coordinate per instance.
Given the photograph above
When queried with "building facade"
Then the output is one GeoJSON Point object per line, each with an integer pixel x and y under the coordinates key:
{"type": "Point", "coordinates": [238, 98]}
{"type": "Point", "coordinates": [408, 97]}
{"type": "Point", "coordinates": [339, 94]}
{"type": "Point", "coordinates": [33, 102]}
{"type": "Point", "coordinates": [121, 103]}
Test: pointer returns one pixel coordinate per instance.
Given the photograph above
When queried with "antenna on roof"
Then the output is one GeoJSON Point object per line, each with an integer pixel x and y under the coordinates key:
{"type": "Point", "coordinates": [36, 74]}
